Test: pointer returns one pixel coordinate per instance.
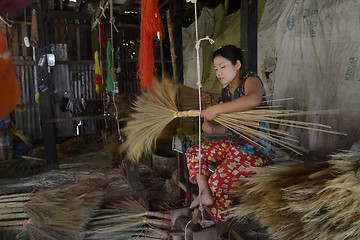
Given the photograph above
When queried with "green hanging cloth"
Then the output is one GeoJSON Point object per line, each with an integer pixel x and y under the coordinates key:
{"type": "Point", "coordinates": [109, 79]}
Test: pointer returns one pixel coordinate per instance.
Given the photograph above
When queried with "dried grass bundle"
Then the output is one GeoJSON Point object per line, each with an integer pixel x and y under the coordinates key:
{"type": "Point", "coordinates": [155, 111]}
{"type": "Point", "coordinates": [62, 213]}
{"type": "Point", "coordinates": [21, 167]}
{"type": "Point", "coordinates": [307, 201]}
{"type": "Point", "coordinates": [128, 218]}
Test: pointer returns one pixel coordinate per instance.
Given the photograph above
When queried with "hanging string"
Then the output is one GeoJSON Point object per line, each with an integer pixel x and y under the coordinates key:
{"type": "Point", "coordinates": [102, 14]}
{"type": "Point", "coordinates": [197, 47]}
{"type": "Point", "coordinates": [6, 22]}
{"type": "Point", "coordinates": [112, 71]}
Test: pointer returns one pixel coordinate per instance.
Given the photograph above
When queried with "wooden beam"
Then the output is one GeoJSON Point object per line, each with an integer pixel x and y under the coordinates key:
{"type": "Point", "coordinates": [68, 15]}
{"type": "Point", "coordinates": [45, 91]}
{"type": "Point", "coordinates": [249, 33]}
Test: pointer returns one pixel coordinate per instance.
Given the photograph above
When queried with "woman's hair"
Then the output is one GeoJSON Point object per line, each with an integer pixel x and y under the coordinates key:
{"type": "Point", "coordinates": [229, 52]}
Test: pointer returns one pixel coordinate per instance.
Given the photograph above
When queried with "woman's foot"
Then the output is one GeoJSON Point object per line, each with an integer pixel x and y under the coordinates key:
{"type": "Point", "coordinates": [206, 199]}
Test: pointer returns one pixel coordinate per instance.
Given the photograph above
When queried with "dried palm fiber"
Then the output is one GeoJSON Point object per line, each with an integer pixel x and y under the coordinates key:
{"type": "Point", "coordinates": [21, 167]}
{"type": "Point", "coordinates": [306, 201]}
{"type": "Point", "coordinates": [155, 111]}
{"type": "Point", "coordinates": [150, 26]}
{"type": "Point", "coordinates": [63, 212]}
{"type": "Point", "coordinates": [127, 218]}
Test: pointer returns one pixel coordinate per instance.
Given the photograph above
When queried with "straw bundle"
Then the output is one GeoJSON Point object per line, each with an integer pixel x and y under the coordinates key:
{"type": "Point", "coordinates": [21, 167]}
{"type": "Point", "coordinates": [307, 201]}
{"type": "Point", "coordinates": [127, 218]}
{"type": "Point", "coordinates": [62, 213]}
{"type": "Point", "coordinates": [155, 111]}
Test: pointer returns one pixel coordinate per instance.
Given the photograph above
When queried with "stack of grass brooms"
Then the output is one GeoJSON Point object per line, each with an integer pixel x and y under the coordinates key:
{"type": "Point", "coordinates": [307, 201]}
{"type": "Point", "coordinates": [86, 210]}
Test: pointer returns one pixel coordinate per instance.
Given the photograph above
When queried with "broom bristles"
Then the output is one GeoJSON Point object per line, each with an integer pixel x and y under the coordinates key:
{"type": "Point", "coordinates": [155, 111]}
{"type": "Point", "coordinates": [309, 201]}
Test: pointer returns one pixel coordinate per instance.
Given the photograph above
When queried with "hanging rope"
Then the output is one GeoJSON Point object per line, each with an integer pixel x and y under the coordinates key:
{"type": "Point", "coordinates": [102, 14]}
{"type": "Point", "coordinates": [112, 71]}
{"type": "Point", "coordinates": [6, 22]}
{"type": "Point", "coordinates": [197, 47]}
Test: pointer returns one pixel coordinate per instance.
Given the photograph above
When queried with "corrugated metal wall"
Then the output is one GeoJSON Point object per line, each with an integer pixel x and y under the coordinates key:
{"type": "Point", "coordinates": [76, 78]}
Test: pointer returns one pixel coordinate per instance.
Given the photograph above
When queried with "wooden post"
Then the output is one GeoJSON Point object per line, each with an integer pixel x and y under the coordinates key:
{"type": "Point", "coordinates": [45, 90]}
{"type": "Point", "coordinates": [249, 33]}
{"type": "Point", "coordinates": [175, 15]}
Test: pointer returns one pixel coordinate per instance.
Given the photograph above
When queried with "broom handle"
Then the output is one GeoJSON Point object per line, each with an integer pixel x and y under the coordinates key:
{"type": "Point", "coordinates": [159, 215]}
{"type": "Point", "coordinates": [190, 113]}
{"type": "Point", "coordinates": [163, 223]}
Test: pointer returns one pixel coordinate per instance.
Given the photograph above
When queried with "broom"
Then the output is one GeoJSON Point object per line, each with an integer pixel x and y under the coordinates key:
{"type": "Point", "coordinates": [127, 218]}
{"type": "Point", "coordinates": [62, 213]}
{"type": "Point", "coordinates": [158, 109]}
{"type": "Point", "coordinates": [307, 201]}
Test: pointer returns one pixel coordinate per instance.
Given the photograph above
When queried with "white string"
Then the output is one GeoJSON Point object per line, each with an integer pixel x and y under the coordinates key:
{"type": "Point", "coordinates": [197, 47]}
{"type": "Point", "coordinates": [186, 227]}
{"type": "Point", "coordinates": [102, 14]}
{"type": "Point", "coordinates": [7, 23]}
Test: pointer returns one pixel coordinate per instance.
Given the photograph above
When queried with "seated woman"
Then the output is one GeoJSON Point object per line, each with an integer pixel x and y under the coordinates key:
{"type": "Point", "coordinates": [235, 156]}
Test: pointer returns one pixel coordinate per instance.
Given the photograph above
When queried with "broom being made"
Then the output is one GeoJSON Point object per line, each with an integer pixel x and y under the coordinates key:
{"type": "Point", "coordinates": [155, 111]}
{"type": "Point", "coordinates": [306, 201]}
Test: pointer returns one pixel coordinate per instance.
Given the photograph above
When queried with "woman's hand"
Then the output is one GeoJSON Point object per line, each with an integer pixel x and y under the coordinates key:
{"type": "Point", "coordinates": [210, 113]}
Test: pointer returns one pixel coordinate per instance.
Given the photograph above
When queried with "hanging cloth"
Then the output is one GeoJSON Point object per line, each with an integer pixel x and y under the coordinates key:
{"type": "Point", "coordinates": [9, 85]}
{"type": "Point", "coordinates": [102, 40]}
{"type": "Point", "coordinates": [109, 79]}
{"type": "Point", "coordinates": [97, 80]}
{"type": "Point", "coordinates": [150, 26]}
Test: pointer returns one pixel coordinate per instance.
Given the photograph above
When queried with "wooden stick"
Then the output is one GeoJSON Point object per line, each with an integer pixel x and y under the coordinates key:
{"type": "Point", "coordinates": [19, 223]}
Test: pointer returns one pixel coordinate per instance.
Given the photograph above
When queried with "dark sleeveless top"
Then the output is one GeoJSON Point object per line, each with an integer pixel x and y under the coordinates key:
{"type": "Point", "coordinates": [238, 141]}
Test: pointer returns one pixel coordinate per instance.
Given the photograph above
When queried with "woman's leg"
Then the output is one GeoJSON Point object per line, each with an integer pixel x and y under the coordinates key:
{"type": "Point", "coordinates": [212, 153]}
{"type": "Point", "coordinates": [226, 177]}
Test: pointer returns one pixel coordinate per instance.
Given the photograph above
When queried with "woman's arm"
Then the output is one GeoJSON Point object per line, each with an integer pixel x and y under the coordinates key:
{"type": "Point", "coordinates": [251, 99]}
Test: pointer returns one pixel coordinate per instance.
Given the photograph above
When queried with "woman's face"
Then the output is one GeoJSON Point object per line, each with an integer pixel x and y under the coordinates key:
{"type": "Point", "coordinates": [225, 71]}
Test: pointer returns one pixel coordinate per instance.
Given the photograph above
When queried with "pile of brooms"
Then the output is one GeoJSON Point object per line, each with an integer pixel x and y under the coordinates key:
{"type": "Point", "coordinates": [155, 111]}
{"type": "Point", "coordinates": [89, 209]}
{"type": "Point", "coordinates": [306, 201]}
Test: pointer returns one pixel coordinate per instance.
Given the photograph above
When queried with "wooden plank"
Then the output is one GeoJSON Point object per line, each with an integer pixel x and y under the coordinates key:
{"type": "Point", "coordinates": [70, 119]}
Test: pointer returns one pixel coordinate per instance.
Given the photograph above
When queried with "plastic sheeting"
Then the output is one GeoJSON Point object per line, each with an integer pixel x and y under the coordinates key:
{"type": "Point", "coordinates": [310, 50]}
{"type": "Point", "coordinates": [223, 30]}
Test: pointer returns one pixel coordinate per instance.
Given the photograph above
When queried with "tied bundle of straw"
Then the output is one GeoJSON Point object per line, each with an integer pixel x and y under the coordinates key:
{"type": "Point", "coordinates": [127, 219]}
{"type": "Point", "coordinates": [62, 213]}
{"type": "Point", "coordinates": [307, 201]}
{"type": "Point", "coordinates": [155, 111]}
